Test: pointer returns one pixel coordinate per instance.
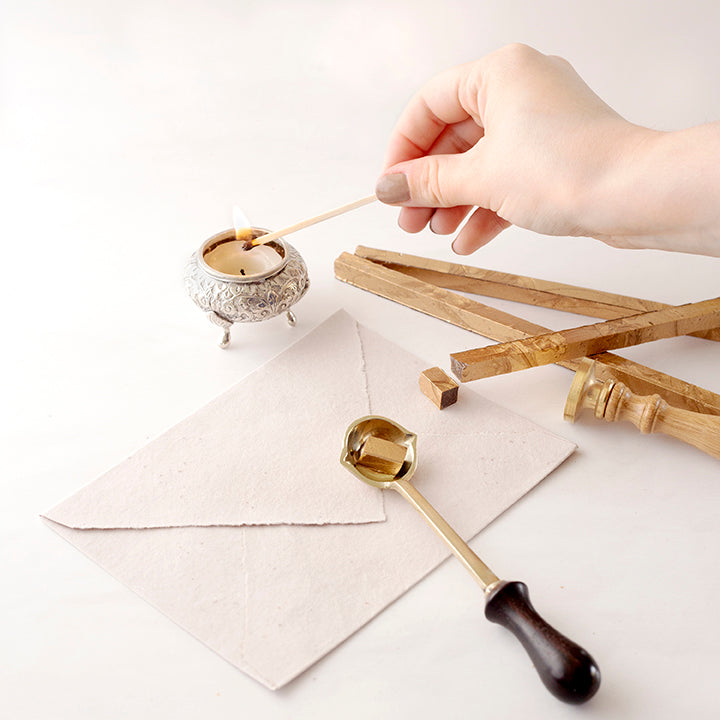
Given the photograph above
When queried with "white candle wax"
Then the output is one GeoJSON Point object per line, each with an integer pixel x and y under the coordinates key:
{"type": "Point", "coordinates": [231, 259]}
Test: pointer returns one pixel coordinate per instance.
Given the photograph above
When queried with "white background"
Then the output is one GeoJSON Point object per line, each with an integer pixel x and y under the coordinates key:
{"type": "Point", "coordinates": [129, 129]}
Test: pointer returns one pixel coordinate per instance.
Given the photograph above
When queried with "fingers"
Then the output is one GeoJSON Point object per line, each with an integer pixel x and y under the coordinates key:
{"type": "Point", "coordinates": [413, 220]}
{"type": "Point", "coordinates": [482, 226]}
{"type": "Point", "coordinates": [442, 221]}
{"type": "Point", "coordinates": [415, 182]}
{"type": "Point", "coordinates": [454, 139]}
{"type": "Point", "coordinates": [443, 101]}
{"type": "Point", "coordinates": [457, 138]}
{"type": "Point", "coordinates": [434, 158]}
{"type": "Point", "coordinates": [438, 181]}
{"type": "Point", "coordinates": [447, 220]}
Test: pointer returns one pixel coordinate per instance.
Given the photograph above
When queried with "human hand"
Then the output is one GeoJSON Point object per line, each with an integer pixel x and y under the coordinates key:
{"type": "Point", "coordinates": [521, 138]}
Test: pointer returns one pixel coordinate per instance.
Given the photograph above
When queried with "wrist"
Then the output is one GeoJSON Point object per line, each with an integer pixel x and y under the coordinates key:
{"type": "Point", "coordinates": [660, 190]}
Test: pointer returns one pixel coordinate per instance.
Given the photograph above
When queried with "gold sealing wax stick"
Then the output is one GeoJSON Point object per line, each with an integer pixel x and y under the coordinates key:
{"type": "Point", "coordinates": [518, 288]}
{"type": "Point", "coordinates": [496, 325]}
{"type": "Point", "coordinates": [585, 341]}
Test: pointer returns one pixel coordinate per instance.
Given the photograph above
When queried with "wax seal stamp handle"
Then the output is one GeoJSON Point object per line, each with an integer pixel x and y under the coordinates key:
{"type": "Point", "coordinates": [650, 413]}
{"type": "Point", "coordinates": [566, 670]}
{"type": "Point", "coordinates": [613, 401]}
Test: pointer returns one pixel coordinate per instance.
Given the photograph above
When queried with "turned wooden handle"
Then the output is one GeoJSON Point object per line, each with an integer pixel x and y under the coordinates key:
{"type": "Point", "coordinates": [651, 414]}
{"type": "Point", "coordinates": [566, 669]}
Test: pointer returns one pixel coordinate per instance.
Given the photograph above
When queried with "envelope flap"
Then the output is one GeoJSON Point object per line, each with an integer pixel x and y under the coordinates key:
{"type": "Point", "coordinates": [265, 452]}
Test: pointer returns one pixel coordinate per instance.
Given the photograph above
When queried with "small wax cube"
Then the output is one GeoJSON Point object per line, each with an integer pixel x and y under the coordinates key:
{"type": "Point", "coordinates": [439, 387]}
{"type": "Point", "coordinates": [382, 456]}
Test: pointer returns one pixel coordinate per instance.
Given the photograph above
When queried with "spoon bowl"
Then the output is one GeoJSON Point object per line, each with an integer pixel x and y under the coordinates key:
{"type": "Point", "coordinates": [376, 426]}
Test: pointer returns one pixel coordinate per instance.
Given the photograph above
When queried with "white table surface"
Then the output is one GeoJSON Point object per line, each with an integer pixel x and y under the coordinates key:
{"type": "Point", "coordinates": [129, 130]}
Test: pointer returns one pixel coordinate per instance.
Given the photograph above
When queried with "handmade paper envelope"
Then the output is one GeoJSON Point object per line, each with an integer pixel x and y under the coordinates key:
{"type": "Point", "coordinates": [241, 525]}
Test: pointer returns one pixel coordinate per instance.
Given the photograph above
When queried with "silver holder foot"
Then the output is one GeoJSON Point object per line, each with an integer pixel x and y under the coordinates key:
{"type": "Point", "coordinates": [291, 318]}
{"type": "Point", "coordinates": [224, 324]}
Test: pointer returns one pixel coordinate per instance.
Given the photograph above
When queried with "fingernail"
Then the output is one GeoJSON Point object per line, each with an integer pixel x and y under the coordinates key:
{"type": "Point", "coordinates": [393, 189]}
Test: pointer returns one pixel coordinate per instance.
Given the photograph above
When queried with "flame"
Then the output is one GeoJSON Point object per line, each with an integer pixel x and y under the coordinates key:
{"type": "Point", "coordinates": [243, 229]}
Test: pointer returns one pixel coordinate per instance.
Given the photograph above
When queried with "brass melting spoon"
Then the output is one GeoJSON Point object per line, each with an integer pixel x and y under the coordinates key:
{"type": "Point", "coordinates": [384, 454]}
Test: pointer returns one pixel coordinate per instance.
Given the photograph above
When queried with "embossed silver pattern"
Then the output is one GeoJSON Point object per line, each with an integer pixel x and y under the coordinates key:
{"type": "Point", "coordinates": [242, 301]}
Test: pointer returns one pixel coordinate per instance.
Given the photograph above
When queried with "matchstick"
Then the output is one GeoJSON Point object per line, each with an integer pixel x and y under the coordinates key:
{"type": "Point", "coordinates": [585, 341]}
{"type": "Point", "coordinates": [491, 323]}
{"type": "Point", "coordinates": [310, 221]}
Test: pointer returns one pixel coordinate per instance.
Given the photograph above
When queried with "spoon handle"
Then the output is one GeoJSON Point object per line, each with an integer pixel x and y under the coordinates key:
{"type": "Point", "coordinates": [567, 671]}
{"type": "Point", "coordinates": [473, 564]}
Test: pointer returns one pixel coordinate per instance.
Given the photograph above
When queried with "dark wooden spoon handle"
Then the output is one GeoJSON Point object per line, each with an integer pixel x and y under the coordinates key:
{"type": "Point", "coordinates": [567, 670]}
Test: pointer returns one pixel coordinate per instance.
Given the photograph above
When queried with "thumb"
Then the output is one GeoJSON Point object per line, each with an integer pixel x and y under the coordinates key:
{"type": "Point", "coordinates": [432, 181]}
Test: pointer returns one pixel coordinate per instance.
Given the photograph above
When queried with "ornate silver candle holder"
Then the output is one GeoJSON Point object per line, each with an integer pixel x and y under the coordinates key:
{"type": "Point", "coordinates": [233, 285]}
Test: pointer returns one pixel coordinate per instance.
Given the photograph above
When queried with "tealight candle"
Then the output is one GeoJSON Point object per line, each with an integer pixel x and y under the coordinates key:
{"type": "Point", "coordinates": [226, 256]}
{"type": "Point", "coordinates": [247, 274]}
{"type": "Point", "coordinates": [235, 285]}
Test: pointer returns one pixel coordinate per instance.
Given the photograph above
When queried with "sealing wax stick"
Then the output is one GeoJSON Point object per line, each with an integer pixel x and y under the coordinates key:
{"type": "Point", "coordinates": [586, 340]}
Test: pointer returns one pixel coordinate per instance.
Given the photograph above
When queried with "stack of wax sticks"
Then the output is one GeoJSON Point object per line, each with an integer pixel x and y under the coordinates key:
{"type": "Point", "coordinates": [427, 285]}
